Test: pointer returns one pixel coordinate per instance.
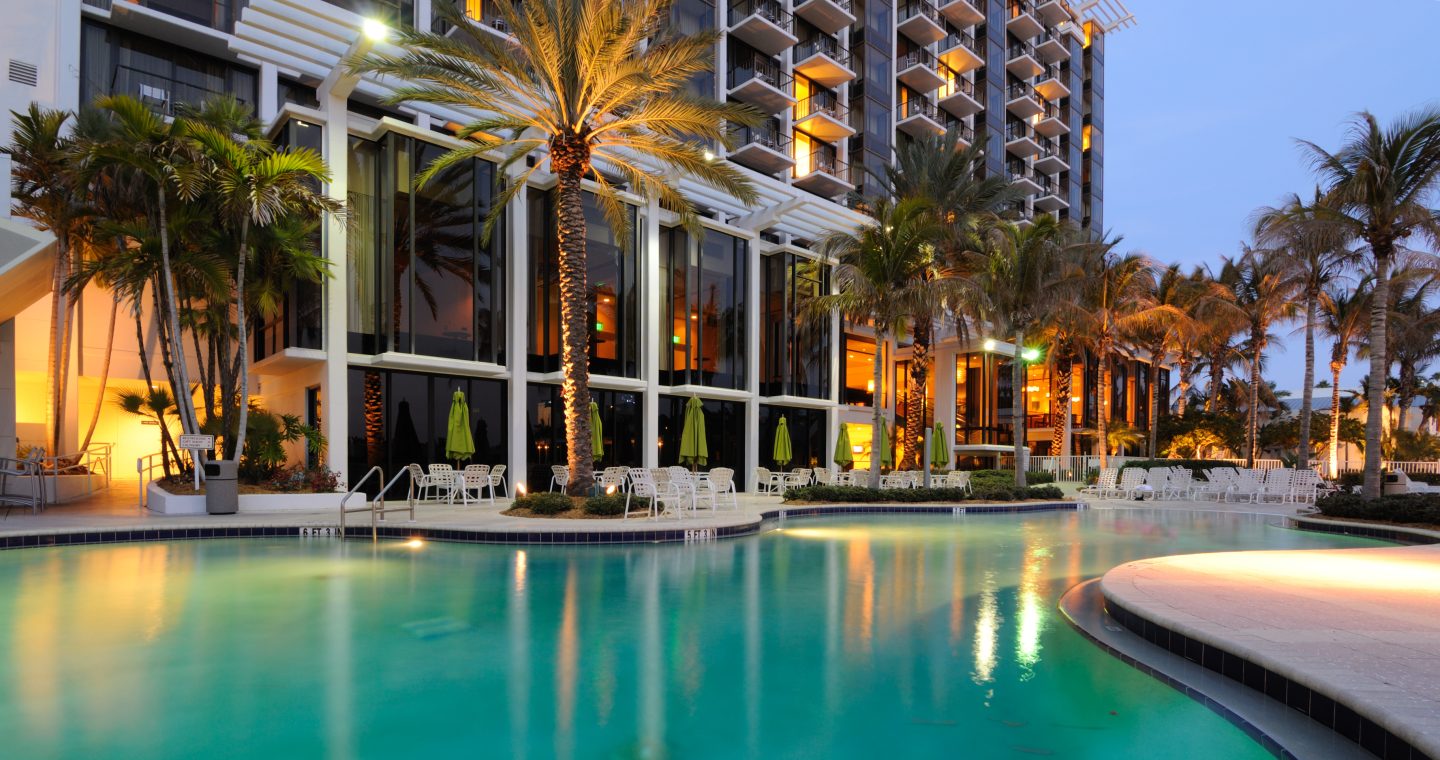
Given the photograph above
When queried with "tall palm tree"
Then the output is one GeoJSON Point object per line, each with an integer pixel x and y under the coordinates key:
{"type": "Point", "coordinates": [1417, 335]}
{"type": "Point", "coordinates": [1162, 337]}
{"type": "Point", "coordinates": [875, 283]}
{"type": "Point", "coordinates": [1264, 286]}
{"type": "Point", "coordinates": [1212, 317]}
{"type": "Point", "coordinates": [1017, 281]}
{"type": "Point", "coordinates": [48, 192]}
{"type": "Point", "coordinates": [1317, 252]}
{"type": "Point", "coordinates": [601, 86]}
{"type": "Point", "coordinates": [1343, 317]}
{"type": "Point", "coordinates": [1378, 188]}
{"type": "Point", "coordinates": [256, 186]}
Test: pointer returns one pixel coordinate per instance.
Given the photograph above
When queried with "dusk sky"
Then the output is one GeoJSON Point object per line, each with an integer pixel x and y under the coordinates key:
{"type": "Point", "coordinates": [1204, 101]}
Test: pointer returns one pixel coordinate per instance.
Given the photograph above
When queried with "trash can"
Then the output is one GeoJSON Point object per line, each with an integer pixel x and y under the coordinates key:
{"type": "Point", "coordinates": [221, 496]}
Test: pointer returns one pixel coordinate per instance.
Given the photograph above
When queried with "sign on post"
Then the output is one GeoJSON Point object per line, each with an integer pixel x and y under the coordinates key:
{"type": "Point", "coordinates": [197, 444]}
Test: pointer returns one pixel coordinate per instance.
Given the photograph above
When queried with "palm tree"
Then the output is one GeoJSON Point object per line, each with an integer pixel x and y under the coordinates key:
{"type": "Point", "coordinates": [1114, 302]}
{"type": "Point", "coordinates": [1343, 316]}
{"type": "Point", "coordinates": [1377, 187]}
{"type": "Point", "coordinates": [257, 186]}
{"type": "Point", "coordinates": [601, 85]}
{"type": "Point", "coordinates": [1417, 335]}
{"type": "Point", "coordinates": [1317, 252]}
{"type": "Point", "coordinates": [1212, 315]}
{"type": "Point", "coordinates": [1264, 286]}
{"type": "Point", "coordinates": [1177, 294]}
{"type": "Point", "coordinates": [1017, 282]}
{"type": "Point", "coordinates": [966, 201]}
{"type": "Point", "coordinates": [875, 282]}
{"type": "Point", "coordinates": [48, 192]}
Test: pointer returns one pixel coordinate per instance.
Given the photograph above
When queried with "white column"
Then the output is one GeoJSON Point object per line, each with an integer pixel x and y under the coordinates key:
{"type": "Point", "coordinates": [651, 333]}
{"type": "Point", "coordinates": [517, 287]}
{"type": "Point", "coordinates": [943, 378]}
{"type": "Point", "coordinates": [423, 15]}
{"type": "Point", "coordinates": [269, 104]}
{"type": "Point", "coordinates": [752, 363]}
{"type": "Point", "coordinates": [8, 439]}
{"type": "Point", "coordinates": [334, 396]}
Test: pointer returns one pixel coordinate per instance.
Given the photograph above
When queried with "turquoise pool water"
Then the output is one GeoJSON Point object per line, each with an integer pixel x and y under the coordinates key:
{"type": "Point", "coordinates": [901, 636]}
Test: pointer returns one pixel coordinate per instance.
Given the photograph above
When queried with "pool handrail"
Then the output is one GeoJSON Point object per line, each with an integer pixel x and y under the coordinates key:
{"type": "Point", "coordinates": [376, 507]}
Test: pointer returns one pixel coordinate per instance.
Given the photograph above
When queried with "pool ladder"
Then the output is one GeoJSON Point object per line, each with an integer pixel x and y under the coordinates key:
{"type": "Point", "coordinates": [376, 507]}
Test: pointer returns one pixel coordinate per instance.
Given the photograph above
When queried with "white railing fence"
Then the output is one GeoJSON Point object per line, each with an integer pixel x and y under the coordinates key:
{"type": "Point", "coordinates": [74, 476]}
{"type": "Point", "coordinates": [1409, 468]}
{"type": "Point", "coordinates": [147, 467]}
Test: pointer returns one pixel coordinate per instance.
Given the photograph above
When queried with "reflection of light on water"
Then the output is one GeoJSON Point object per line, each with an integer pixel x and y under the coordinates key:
{"type": "Point", "coordinates": [519, 572]}
{"type": "Point", "coordinates": [1031, 610]}
{"type": "Point", "coordinates": [860, 593]}
{"type": "Point", "coordinates": [566, 657]}
{"type": "Point", "coordinates": [987, 629]}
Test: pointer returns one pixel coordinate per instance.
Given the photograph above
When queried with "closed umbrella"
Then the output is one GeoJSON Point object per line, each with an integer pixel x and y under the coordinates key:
{"type": "Point", "coordinates": [939, 447]}
{"type": "Point", "coordinates": [459, 443]}
{"type": "Point", "coordinates": [844, 457]}
{"type": "Point", "coordinates": [597, 432]}
{"type": "Point", "coordinates": [782, 453]}
{"type": "Point", "coordinates": [887, 455]}
{"type": "Point", "coordinates": [693, 449]}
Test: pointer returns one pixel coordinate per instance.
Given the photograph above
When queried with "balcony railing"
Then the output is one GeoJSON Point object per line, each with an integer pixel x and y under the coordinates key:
{"type": "Point", "coordinates": [770, 10]}
{"type": "Point", "coordinates": [160, 93]}
{"type": "Point", "coordinates": [1017, 170]}
{"type": "Point", "coordinates": [914, 8]}
{"type": "Point", "coordinates": [823, 102]}
{"type": "Point", "coordinates": [919, 107]}
{"type": "Point", "coordinates": [1020, 8]}
{"type": "Point", "coordinates": [1053, 71]}
{"type": "Point", "coordinates": [215, 14]}
{"type": "Point", "coordinates": [956, 83]}
{"type": "Point", "coordinates": [1051, 110]}
{"type": "Point", "coordinates": [743, 68]}
{"type": "Point", "coordinates": [962, 39]}
{"type": "Point", "coordinates": [917, 57]}
{"type": "Point", "coordinates": [488, 17]}
{"type": "Point", "coordinates": [829, 163]}
{"type": "Point", "coordinates": [823, 44]}
{"type": "Point", "coordinates": [767, 134]}
{"type": "Point", "coordinates": [1049, 145]}
{"type": "Point", "coordinates": [1016, 130]}
{"type": "Point", "coordinates": [1048, 186]}
{"type": "Point", "coordinates": [1021, 90]}
{"type": "Point", "coordinates": [1018, 49]}
{"type": "Point", "coordinates": [960, 128]}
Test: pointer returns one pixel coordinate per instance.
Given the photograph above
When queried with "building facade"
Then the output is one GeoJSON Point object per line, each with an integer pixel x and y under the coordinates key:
{"type": "Point", "coordinates": [421, 303]}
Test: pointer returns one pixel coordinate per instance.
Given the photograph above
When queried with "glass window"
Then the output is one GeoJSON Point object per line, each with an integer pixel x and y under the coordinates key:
{"type": "Point", "coordinates": [362, 211]}
{"type": "Point", "coordinates": [621, 422]}
{"type": "Point", "coordinates": [857, 379]}
{"type": "Point", "coordinates": [794, 351]}
{"type": "Point", "coordinates": [724, 434]}
{"type": "Point", "coordinates": [160, 75]}
{"type": "Point", "coordinates": [298, 320]}
{"type": "Point", "coordinates": [980, 381]}
{"type": "Point", "coordinates": [809, 434]}
{"type": "Point", "coordinates": [703, 297]}
{"type": "Point", "coordinates": [396, 13]}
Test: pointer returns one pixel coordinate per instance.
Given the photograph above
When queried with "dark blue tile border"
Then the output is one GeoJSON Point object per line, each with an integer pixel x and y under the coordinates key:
{"type": "Point", "coordinates": [1321, 708]}
{"type": "Point", "coordinates": [1397, 534]}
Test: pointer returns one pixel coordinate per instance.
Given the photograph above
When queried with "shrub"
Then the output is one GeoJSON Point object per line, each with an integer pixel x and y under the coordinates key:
{"type": "Point", "coordinates": [546, 503]}
{"type": "Point", "coordinates": [1408, 508]}
{"type": "Point", "coordinates": [1044, 492]}
{"type": "Point", "coordinates": [1196, 467]}
{"type": "Point", "coordinates": [612, 505]}
{"type": "Point", "coordinates": [862, 495]}
{"type": "Point", "coordinates": [1356, 478]}
{"type": "Point", "coordinates": [300, 480]}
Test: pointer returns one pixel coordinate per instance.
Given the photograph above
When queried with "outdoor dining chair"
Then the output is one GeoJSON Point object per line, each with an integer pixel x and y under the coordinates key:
{"type": "Point", "coordinates": [559, 476]}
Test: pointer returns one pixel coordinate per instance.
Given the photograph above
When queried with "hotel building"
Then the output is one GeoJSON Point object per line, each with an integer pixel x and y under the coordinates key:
{"type": "Point", "coordinates": [421, 304]}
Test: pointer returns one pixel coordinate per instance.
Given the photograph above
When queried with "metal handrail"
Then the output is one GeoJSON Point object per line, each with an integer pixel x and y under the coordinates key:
{"type": "Point", "coordinates": [376, 507]}
{"type": "Point", "coordinates": [353, 489]}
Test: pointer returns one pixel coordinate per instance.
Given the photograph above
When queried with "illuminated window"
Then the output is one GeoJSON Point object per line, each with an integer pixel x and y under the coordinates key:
{"type": "Point", "coordinates": [1085, 137]}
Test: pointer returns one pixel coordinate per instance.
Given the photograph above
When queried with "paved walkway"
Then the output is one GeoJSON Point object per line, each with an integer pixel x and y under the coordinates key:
{"type": "Point", "coordinates": [1361, 626]}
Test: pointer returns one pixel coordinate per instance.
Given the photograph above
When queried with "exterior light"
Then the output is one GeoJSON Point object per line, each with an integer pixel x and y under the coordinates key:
{"type": "Point", "coordinates": [375, 29]}
{"type": "Point", "coordinates": [869, 386]}
{"type": "Point", "coordinates": [989, 344]}
{"type": "Point", "coordinates": [709, 155]}
{"type": "Point", "coordinates": [610, 491]}
{"type": "Point", "coordinates": [1030, 354]}
{"type": "Point", "coordinates": [857, 449]}
{"type": "Point", "coordinates": [519, 489]}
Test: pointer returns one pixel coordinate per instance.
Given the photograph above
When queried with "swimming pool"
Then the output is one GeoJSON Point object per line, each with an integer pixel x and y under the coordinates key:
{"type": "Point", "coordinates": [854, 636]}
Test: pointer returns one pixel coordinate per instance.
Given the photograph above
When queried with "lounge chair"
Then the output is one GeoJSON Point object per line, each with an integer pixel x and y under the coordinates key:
{"type": "Point", "coordinates": [1105, 483]}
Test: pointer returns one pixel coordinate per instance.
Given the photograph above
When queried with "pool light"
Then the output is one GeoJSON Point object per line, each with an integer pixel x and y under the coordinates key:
{"type": "Point", "coordinates": [415, 543]}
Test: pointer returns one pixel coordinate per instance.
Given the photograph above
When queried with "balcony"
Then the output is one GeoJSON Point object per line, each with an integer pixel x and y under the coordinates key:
{"type": "Point", "coordinates": [1018, 213]}
{"type": "Point", "coordinates": [829, 16]}
{"type": "Point", "coordinates": [824, 116]}
{"type": "Point", "coordinates": [214, 14]}
{"type": "Point", "coordinates": [1022, 61]}
{"type": "Point", "coordinates": [961, 52]}
{"type": "Point", "coordinates": [918, 117]}
{"type": "Point", "coordinates": [1052, 12]}
{"type": "Point", "coordinates": [920, 22]}
{"type": "Point", "coordinates": [1022, 177]}
{"type": "Point", "coordinates": [1051, 159]}
{"type": "Point", "coordinates": [823, 173]}
{"type": "Point", "coordinates": [1051, 122]}
{"type": "Point", "coordinates": [1022, 100]}
{"type": "Point", "coordinates": [1051, 196]}
{"type": "Point", "coordinates": [758, 80]}
{"type": "Point", "coordinates": [763, 148]}
{"type": "Point", "coordinates": [957, 96]}
{"type": "Point", "coordinates": [962, 13]}
{"type": "Point", "coordinates": [1053, 47]}
{"type": "Point", "coordinates": [822, 60]}
{"type": "Point", "coordinates": [1022, 20]}
{"type": "Point", "coordinates": [919, 70]}
{"type": "Point", "coordinates": [1020, 139]}
{"type": "Point", "coordinates": [160, 93]}
{"type": "Point", "coordinates": [1051, 84]}
{"type": "Point", "coordinates": [762, 24]}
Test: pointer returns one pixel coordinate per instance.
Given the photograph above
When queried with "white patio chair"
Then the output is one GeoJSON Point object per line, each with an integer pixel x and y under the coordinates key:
{"type": "Point", "coordinates": [1106, 482]}
{"type": "Point", "coordinates": [1244, 485]}
{"type": "Point", "coordinates": [961, 480]}
{"type": "Point", "coordinates": [824, 476]}
{"type": "Point", "coordinates": [1179, 484]}
{"type": "Point", "coordinates": [688, 486]}
{"type": "Point", "coordinates": [1277, 485]}
{"type": "Point", "coordinates": [767, 481]}
{"type": "Point", "coordinates": [1217, 483]}
{"type": "Point", "coordinates": [611, 477]}
{"type": "Point", "coordinates": [559, 476]}
{"type": "Point", "coordinates": [798, 478]}
{"type": "Point", "coordinates": [497, 478]}
{"type": "Point", "coordinates": [1304, 487]}
{"type": "Point", "coordinates": [661, 498]}
{"type": "Point", "coordinates": [1130, 479]}
{"type": "Point", "coordinates": [805, 474]}
{"type": "Point", "coordinates": [442, 476]}
{"type": "Point", "coordinates": [722, 483]}
{"type": "Point", "coordinates": [420, 480]}
{"type": "Point", "coordinates": [475, 477]}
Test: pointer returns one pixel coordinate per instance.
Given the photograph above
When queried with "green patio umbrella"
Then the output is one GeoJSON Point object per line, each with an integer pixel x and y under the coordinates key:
{"type": "Point", "coordinates": [887, 454]}
{"type": "Point", "coordinates": [939, 447]}
{"type": "Point", "coordinates": [844, 457]}
{"type": "Point", "coordinates": [782, 453]}
{"type": "Point", "coordinates": [459, 443]}
{"type": "Point", "coordinates": [597, 432]}
{"type": "Point", "coordinates": [693, 449]}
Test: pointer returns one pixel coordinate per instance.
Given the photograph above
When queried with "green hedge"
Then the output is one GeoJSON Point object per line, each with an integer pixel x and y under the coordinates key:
{"type": "Point", "coordinates": [1356, 479]}
{"type": "Point", "coordinates": [614, 505]}
{"type": "Point", "coordinates": [1196, 467]}
{"type": "Point", "coordinates": [545, 503]}
{"type": "Point", "coordinates": [1410, 508]}
{"type": "Point", "coordinates": [863, 495]}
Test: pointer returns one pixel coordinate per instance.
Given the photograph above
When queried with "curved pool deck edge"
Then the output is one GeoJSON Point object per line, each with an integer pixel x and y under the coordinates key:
{"type": "Point", "coordinates": [1314, 630]}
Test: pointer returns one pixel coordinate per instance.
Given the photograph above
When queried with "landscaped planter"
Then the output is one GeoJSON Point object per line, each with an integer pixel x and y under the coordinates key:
{"type": "Point", "coordinates": [164, 502]}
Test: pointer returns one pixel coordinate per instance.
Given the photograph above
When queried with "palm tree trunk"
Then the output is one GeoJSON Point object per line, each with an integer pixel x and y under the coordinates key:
{"type": "Point", "coordinates": [1017, 410]}
{"type": "Point", "coordinates": [242, 359]}
{"type": "Point", "coordinates": [877, 399]}
{"type": "Point", "coordinates": [55, 380]}
{"type": "Point", "coordinates": [1153, 400]}
{"type": "Point", "coordinates": [1182, 401]}
{"type": "Point", "coordinates": [1252, 425]}
{"type": "Point", "coordinates": [1379, 368]}
{"type": "Point", "coordinates": [104, 373]}
{"type": "Point", "coordinates": [1335, 369]}
{"type": "Point", "coordinates": [1102, 416]}
{"type": "Point", "coordinates": [915, 408]}
{"type": "Point", "coordinates": [1302, 455]}
{"type": "Point", "coordinates": [1404, 393]}
{"type": "Point", "coordinates": [1217, 379]}
{"type": "Point", "coordinates": [570, 160]}
{"type": "Point", "coordinates": [184, 403]}
{"type": "Point", "coordinates": [1060, 426]}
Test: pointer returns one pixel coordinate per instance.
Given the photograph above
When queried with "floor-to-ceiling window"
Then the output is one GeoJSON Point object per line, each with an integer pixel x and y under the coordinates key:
{"type": "Point", "coordinates": [703, 307]}
{"type": "Point", "coordinates": [621, 421]}
{"type": "Point", "coordinates": [298, 319]}
{"type": "Point", "coordinates": [794, 348]}
{"type": "Point", "coordinates": [161, 75]}
{"type": "Point", "coordinates": [401, 417]}
{"type": "Point", "coordinates": [857, 371]}
{"type": "Point", "coordinates": [612, 278]}
{"type": "Point", "coordinates": [809, 431]}
{"type": "Point", "coordinates": [424, 279]}
{"type": "Point", "coordinates": [724, 434]}
{"type": "Point", "coordinates": [980, 379]}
